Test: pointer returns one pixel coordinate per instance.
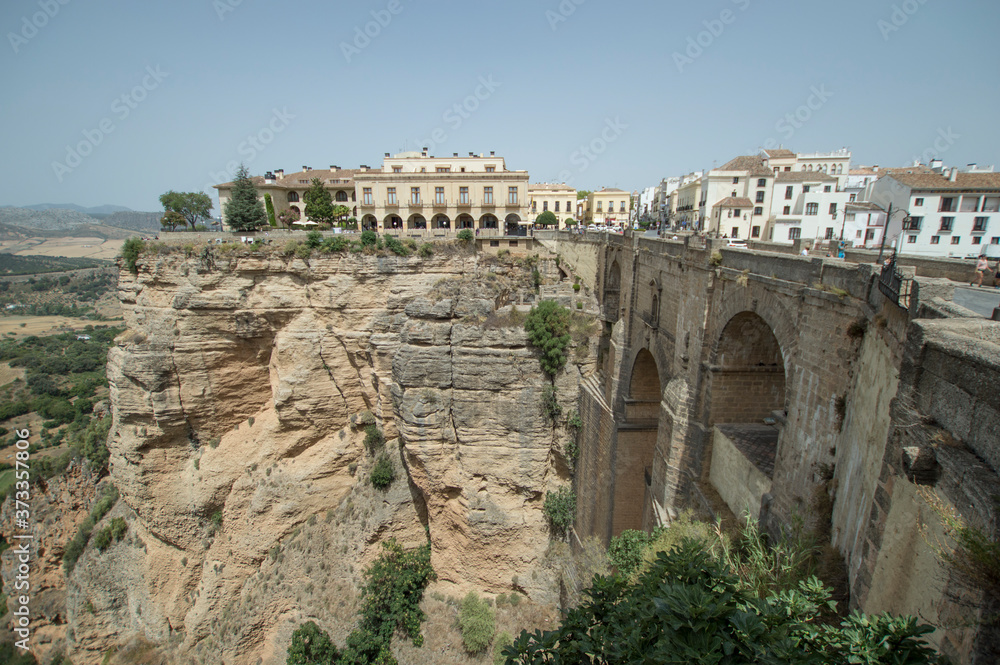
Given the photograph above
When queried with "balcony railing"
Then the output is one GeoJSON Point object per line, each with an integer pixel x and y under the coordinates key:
{"type": "Point", "coordinates": [440, 203]}
{"type": "Point", "coordinates": [368, 204]}
{"type": "Point", "coordinates": [392, 204]}
{"type": "Point", "coordinates": [416, 204]}
{"type": "Point", "coordinates": [893, 285]}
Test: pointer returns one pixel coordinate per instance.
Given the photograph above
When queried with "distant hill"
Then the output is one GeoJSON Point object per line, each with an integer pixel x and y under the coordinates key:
{"type": "Point", "coordinates": [64, 219]}
{"type": "Point", "coordinates": [104, 209]}
{"type": "Point", "coordinates": [33, 265]}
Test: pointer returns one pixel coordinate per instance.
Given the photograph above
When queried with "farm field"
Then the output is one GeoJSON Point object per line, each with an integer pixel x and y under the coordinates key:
{"type": "Point", "coordinates": [39, 325]}
{"type": "Point", "coordinates": [91, 248]}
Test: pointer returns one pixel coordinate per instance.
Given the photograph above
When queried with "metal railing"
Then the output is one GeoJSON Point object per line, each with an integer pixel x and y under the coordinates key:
{"type": "Point", "coordinates": [894, 285]}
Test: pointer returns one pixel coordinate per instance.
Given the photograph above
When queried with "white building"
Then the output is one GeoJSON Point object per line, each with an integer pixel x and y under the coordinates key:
{"type": "Point", "coordinates": [951, 213]}
{"type": "Point", "coordinates": [806, 205]}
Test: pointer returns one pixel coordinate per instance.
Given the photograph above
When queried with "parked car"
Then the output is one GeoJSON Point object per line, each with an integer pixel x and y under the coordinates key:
{"type": "Point", "coordinates": [736, 242]}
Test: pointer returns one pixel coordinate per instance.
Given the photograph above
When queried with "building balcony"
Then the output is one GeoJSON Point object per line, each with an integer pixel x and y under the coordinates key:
{"type": "Point", "coordinates": [487, 205]}
{"type": "Point", "coordinates": [364, 204]}
{"type": "Point", "coordinates": [391, 204]}
{"type": "Point", "coordinates": [415, 204]}
{"type": "Point", "coordinates": [440, 203]}
{"type": "Point", "coordinates": [464, 204]}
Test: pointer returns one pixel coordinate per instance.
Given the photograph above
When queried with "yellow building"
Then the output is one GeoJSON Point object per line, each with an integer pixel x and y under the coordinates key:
{"type": "Point", "coordinates": [609, 207]}
{"type": "Point", "coordinates": [557, 198]}
{"type": "Point", "coordinates": [415, 191]}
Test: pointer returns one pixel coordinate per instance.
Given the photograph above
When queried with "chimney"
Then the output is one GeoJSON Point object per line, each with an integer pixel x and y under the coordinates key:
{"type": "Point", "coordinates": [953, 176]}
{"type": "Point", "coordinates": [386, 154]}
{"type": "Point", "coordinates": [424, 151]}
{"type": "Point", "coordinates": [456, 154]}
{"type": "Point", "coordinates": [492, 153]}
{"type": "Point", "coordinates": [937, 165]}
{"type": "Point", "coordinates": [472, 154]}
{"type": "Point", "coordinates": [269, 178]}
{"type": "Point", "coordinates": [972, 167]}
{"type": "Point", "coordinates": [334, 167]}
{"type": "Point", "coordinates": [280, 173]}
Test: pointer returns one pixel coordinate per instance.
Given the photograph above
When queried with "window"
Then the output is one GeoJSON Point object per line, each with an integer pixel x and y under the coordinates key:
{"type": "Point", "coordinates": [512, 196]}
{"type": "Point", "coordinates": [545, 206]}
{"type": "Point", "coordinates": [788, 168]}
{"type": "Point", "coordinates": [439, 195]}
{"type": "Point", "coordinates": [913, 224]}
{"type": "Point", "coordinates": [794, 233]}
{"type": "Point", "coordinates": [956, 239]}
{"type": "Point", "coordinates": [463, 195]}
{"type": "Point", "coordinates": [850, 217]}
{"type": "Point", "coordinates": [833, 209]}
{"type": "Point", "coordinates": [858, 234]}
{"type": "Point", "coordinates": [736, 181]}
{"type": "Point", "coordinates": [869, 235]}
{"type": "Point", "coordinates": [980, 224]}
{"type": "Point", "coordinates": [935, 240]}
{"type": "Point", "coordinates": [397, 169]}
{"type": "Point", "coordinates": [622, 207]}
{"type": "Point", "coordinates": [293, 197]}
{"type": "Point", "coordinates": [760, 197]}
{"type": "Point", "coordinates": [995, 240]}
{"type": "Point", "coordinates": [762, 182]}
{"type": "Point", "coordinates": [854, 197]}
{"type": "Point", "coordinates": [414, 195]}
{"type": "Point", "coordinates": [755, 232]}
{"type": "Point", "coordinates": [911, 239]}
{"type": "Point", "coordinates": [758, 211]}
{"type": "Point", "coordinates": [367, 196]}
{"type": "Point", "coordinates": [918, 202]}
{"type": "Point", "coordinates": [787, 210]}
{"type": "Point", "coordinates": [557, 207]}
{"type": "Point", "coordinates": [829, 233]}
{"type": "Point", "coordinates": [946, 223]}
{"type": "Point", "coordinates": [976, 240]}
{"type": "Point", "coordinates": [947, 205]}
{"type": "Point", "coordinates": [736, 212]}
{"type": "Point", "coordinates": [812, 209]}
{"type": "Point", "coordinates": [391, 193]}
{"type": "Point", "coordinates": [805, 189]}
{"type": "Point", "coordinates": [735, 233]}
{"type": "Point", "coordinates": [341, 195]}
{"type": "Point", "coordinates": [494, 243]}
{"type": "Point", "coordinates": [491, 169]}
{"type": "Point", "coordinates": [827, 188]}
{"type": "Point", "coordinates": [444, 169]}
{"type": "Point", "coordinates": [734, 194]}
{"type": "Point", "coordinates": [599, 208]}
{"type": "Point", "coordinates": [488, 195]}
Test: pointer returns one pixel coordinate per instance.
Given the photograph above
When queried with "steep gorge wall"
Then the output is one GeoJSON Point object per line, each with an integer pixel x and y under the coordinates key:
{"type": "Point", "coordinates": [241, 466]}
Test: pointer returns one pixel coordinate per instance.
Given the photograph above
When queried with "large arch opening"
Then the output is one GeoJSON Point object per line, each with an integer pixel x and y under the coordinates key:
{"type": "Point", "coordinates": [636, 446]}
{"type": "Point", "coordinates": [746, 392]}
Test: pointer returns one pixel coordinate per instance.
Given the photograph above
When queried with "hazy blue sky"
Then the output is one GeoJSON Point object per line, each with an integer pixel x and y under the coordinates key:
{"type": "Point", "coordinates": [165, 95]}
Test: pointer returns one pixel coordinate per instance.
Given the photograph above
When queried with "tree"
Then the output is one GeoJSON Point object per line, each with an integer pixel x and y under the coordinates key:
{"type": "Point", "coordinates": [269, 205]}
{"type": "Point", "coordinates": [548, 329]}
{"type": "Point", "coordinates": [311, 646]}
{"type": "Point", "coordinates": [547, 218]}
{"type": "Point", "coordinates": [244, 211]}
{"type": "Point", "coordinates": [341, 211]}
{"type": "Point", "coordinates": [171, 220]}
{"type": "Point", "coordinates": [289, 216]}
{"type": "Point", "coordinates": [583, 194]}
{"type": "Point", "coordinates": [319, 203]}
{"type": "Point", "coordinates": [192, 206]}
{"type": "Point", "coordinates": [689, 607]}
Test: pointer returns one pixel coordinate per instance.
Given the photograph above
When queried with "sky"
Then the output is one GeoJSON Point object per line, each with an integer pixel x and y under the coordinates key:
{"type": "Point", "coordinates": [116, 102]}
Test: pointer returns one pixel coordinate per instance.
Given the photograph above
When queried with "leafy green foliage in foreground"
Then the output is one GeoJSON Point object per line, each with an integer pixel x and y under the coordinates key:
{"type": "Point", "coordinates": [688, 607]}
{"type": "Point", "coordinates": [391, 604]}
{"type": "Point", "coordinates": [548, 329]}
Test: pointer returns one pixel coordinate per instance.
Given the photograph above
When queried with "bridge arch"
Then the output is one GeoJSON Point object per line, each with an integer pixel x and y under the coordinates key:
{"type": "Point", "coordinates": [612, 292]}
{"type": "Point", "coordinates": [748, 371]}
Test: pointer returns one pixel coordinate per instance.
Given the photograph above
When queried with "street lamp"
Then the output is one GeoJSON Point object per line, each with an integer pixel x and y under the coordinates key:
{"type": "Point", "coordinates": [885, 229]}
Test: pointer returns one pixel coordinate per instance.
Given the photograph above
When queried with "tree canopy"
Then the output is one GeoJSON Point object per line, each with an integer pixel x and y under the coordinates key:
{"type": "Point", "coordinates": [289, 216]}
{"type": "Point", "coordinates": [583, 194]}
{"type": "Point", "coordinates": [547, 218]}
{"type": "Point", "coordinates": [192, 206]}
{"type": "Point", "coordinates": [171, 220]}
{"type": "Point", "coordinates": [319, 203]}
{"type": "Point", "coordinates": [548, 329]}
{"type": "Point", "coordinates": [244, 211]}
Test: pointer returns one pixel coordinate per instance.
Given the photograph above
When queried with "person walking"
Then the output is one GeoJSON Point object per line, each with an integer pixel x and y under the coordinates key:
{"type": "Point", "coordinates": [982, 265]}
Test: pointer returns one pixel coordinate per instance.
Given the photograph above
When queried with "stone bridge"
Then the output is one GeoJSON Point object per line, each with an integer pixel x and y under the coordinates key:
{"type": "Point", "coordinates": [789, 387]}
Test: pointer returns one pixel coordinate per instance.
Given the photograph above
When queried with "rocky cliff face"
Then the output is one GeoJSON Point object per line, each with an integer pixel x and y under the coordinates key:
{"type": "Point", "coordinates": [239, 455]}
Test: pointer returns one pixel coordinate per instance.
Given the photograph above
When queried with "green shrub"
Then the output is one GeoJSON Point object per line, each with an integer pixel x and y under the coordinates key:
{"type": "Point", "coordinates": [560, 510]}
{"type": "Point", "coordinates": [426, 250]}
{"type": "Point", "coordinates": [335, 244]}
{"type": "Point", "coordinates": [369, 238]}
{"type": "Point", "coordinates": [504, 640]}
{"type": "Point", "coordinates": [382, 473]}
{"type": "Point", "coordinates": [269, 207]}
{"type": "Point", "coordinates": [75, 547]}
{"type": "Point", "coordinates": [626, 550]}
{"type": "Point", "coordinates": [311, 646]}
{"type": "Point", "coordinates": [314, 239]}
{"type": "Point", "coordinates": [303, 252]}
{"type": "Point", "coordinates": [548, 330]}
{"type": "Point", "coordinates": [103, 539]}
{"type": "Point", "coordinates": [131, 250]}
{"type": "Point", "coordinates": [550, 402]}
{"type": "Point", "coordinates": [396, 247]}
{"type": "Point", "coordinates": [576, 286]}
{"type": "Point", "coordinates": [374, 439]}
{"type": "Point", "coordinates": [477, 621]}
{"type": "Point", "coordinates": [465, 235]}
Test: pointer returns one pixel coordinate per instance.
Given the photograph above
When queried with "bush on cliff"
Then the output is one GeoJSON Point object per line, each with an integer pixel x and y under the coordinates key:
{"type": "Point", "coordinates": [465, 235]}
{"type": "Point", "coordinates": [131, 250]}
{"type": "Point", "coordinates": [560, 510]}
{"type": "Point", "coordinates": [689, 607]}
{"type": "Point", "coordinates": [382, 473]}
{"type": "Point", "coordinates": [477, 621]}
{"type": "Point", "coordinates": [548, 330]}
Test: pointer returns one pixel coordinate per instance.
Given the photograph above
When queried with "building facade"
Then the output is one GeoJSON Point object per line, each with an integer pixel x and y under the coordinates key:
{"type": "Point", "coordinates": [559, 199]}
{"type": "Point", "coordinates": [288, 191]}
{"type": "Point", "coordinates": [609, 207]}
{"type": "Point", "coordinates": [416, 191]}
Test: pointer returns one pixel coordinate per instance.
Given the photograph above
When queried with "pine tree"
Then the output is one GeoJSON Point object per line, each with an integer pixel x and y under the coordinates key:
{"type": "Point", "coordinates": [244, 211]}
{"type": "Point", "coordinates": [319, 203]}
